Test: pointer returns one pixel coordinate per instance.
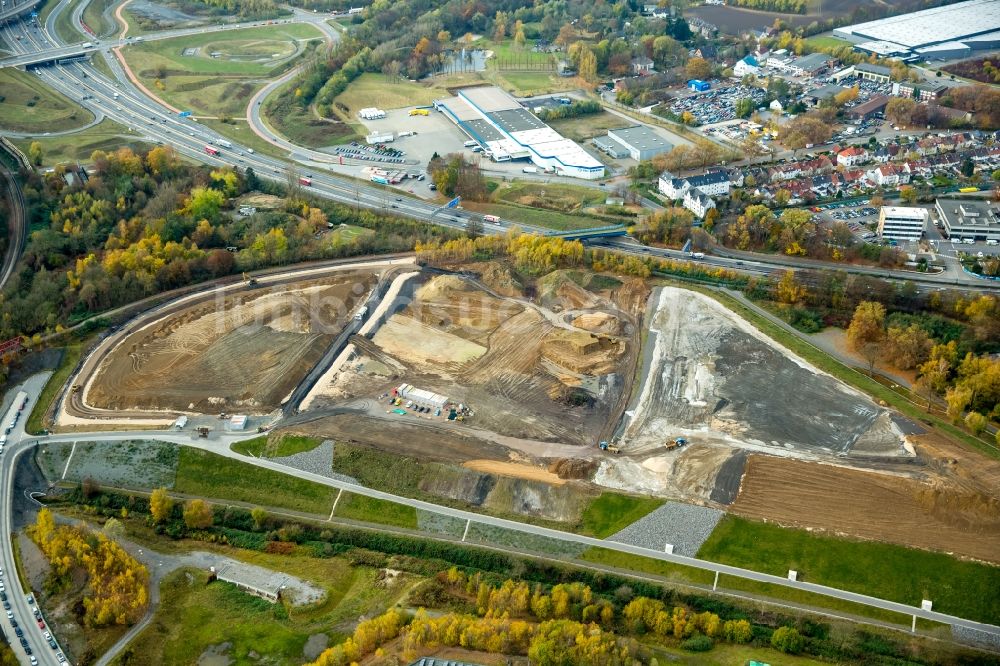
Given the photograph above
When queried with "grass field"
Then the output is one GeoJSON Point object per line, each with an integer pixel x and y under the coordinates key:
{"type": "Point", "coordinates": [30, 106]}
{"type": "Point", "coordinates": [535, 83]}
{"type": "Point", "coordinates": [562, 197]}
{"type": "Point", "coordinates": [612, 512]}
{"type": "Point", "coordinates": [507, 54]}
{"type": "Point", "coordinates": [629, 562]}
{"type": "Point", "coordinates": [826, 42]}
{"type": "Point", "coordinates": [372, 510]}
{"type": "Point", "coordinates": [588, 126]}
{"type": "Point", "coordinates": [71, 356]}
{"type": "Point", "coordinates": [549, 219]}
{"type": "Point", "coordinates": [64, 24]}
{"type": "Point", "coordinates": [209, 475]}
{"type": "Point", "coordinates": [107, 135]}
{"type": "Point", "coordinates": [276, 446]}
{"type": "Point", "coordinates": [967, 589]}
{"type": "Point", "coordinates": [217, 85]}
{"type": "Point", "coordinates": [93, 16]}
{"type": "Point", "coordinates": [347, 233]}
{"type": "Point", "coordinates": [194, 615]}
{"type": "Point", "coordinates": [376, 90]}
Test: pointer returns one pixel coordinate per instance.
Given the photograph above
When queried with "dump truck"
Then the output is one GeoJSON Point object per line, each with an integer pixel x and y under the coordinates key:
{"type": "Point", "coordinates": [675, 443]}
{"type": "Point", "coordinates": [612, 448]}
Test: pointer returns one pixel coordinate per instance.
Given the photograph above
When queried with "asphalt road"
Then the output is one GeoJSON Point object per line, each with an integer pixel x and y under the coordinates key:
{"type": "Point", "coordinates": [17, 445]}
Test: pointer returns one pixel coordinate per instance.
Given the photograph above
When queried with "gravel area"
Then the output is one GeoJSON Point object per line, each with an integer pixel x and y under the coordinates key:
{"type": "Point", "coordinates": [429, 521]}
{"type": "Point", "coordinates": [318, 461]}
{"type": "Point", "coordinates": [498, 536]}
{"type": "Point", "coordinates": [127, 464]}
{"type": "Point", "coordinates": [975, 637]}
{"type": "Point", "coordinates": [686, 526]}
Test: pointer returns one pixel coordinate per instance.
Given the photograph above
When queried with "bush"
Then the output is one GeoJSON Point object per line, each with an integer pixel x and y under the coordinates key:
{"type": "Point", "coordinates": [787, 640]}
{"type": "Point", "coordinates": [697, 644]}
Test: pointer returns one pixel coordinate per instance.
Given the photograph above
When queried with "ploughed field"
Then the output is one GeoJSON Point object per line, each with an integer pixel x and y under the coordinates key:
{"type": "Point", "coordinates": [247, 352]}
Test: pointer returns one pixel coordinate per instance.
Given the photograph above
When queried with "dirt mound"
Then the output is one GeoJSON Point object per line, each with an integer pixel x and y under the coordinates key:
{"type": "Point", "coordinates": [516, 470]}
{"type": "Point", "coordinates": [598, 322]}
{"type": "Point", "coordinates": [501, 279]}
{"type": "Point", "coordinates": [573, 468]}
{"type": "Point", "coordinates": [559, 291]}
{"type": "Point", "coordinates": [441, 288]}
{"type": "Point", "coordinates": [582, 352]}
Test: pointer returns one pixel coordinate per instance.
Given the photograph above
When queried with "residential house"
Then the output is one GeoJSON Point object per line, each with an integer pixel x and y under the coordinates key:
{"type": "Point", "coordinates": [888, 175]}
{"type": "Point", "coordinates": [852, 156]}
{"type": "Point", "coordinates": [698, 203]}
{"type": "Point", "coordinates": [747, 65]}
{"type": "Point", "coordinates": [642, 66]}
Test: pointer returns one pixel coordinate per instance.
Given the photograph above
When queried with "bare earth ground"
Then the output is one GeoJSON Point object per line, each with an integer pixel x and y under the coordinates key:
{"type": "Point", "coordinates": [927, 514]}
{"type": "Point", "coordinates": [248, 352]}
{"type": "Point", "coordinates": [514, 362]}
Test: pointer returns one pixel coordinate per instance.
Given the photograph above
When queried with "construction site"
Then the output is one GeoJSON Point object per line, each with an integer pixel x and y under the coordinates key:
{"type": "Point", "coordinates": [247, 350]}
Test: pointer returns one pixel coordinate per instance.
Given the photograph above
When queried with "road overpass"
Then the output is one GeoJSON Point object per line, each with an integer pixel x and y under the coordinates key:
{"type": "Point", "coordinates": [12, 9]}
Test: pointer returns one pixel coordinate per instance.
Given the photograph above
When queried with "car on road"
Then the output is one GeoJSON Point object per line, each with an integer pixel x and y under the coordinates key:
{"type": "Point", "coordinates": [33, 661]}
{"type": "Point", "coordinates": [18, 632]}
{"type": "Point", "coordinates": [60, 657]}
{"type": "Point", "coordinates": [41, 624]}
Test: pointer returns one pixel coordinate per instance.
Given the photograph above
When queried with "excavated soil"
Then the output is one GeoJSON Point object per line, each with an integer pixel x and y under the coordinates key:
{"type": "Point", "coordinates": [248, 352]}
{"type": "Point", "coordinates": [936, 513]}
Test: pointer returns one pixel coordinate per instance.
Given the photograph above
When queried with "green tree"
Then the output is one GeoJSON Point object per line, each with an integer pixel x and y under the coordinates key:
{"type": "Point", "coordinates": [259, 516]}
{"type": "Point", "coordinates": [976, 422]}
{"type": "Point", "coordinates": [205, 203]}
{"type": "Point", "coordinates": [787, 640]}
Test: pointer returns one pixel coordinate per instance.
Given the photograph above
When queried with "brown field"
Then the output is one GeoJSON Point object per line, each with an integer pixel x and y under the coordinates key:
{"type": "Point", "coordinates": [735, 20]}
{"type": "Point", "coordinates": [249, 353]}
{"type": "Point", "coordinates": [526, 369]}
{"type": "Point", "coordinates": [941, 513]}
{"type": "Point", "coordinates": [973, 69]}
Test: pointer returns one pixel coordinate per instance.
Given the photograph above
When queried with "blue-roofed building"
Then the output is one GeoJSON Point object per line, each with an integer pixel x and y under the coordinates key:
{"type": "Point", "coordinates": [698, 85]}
{"type": "Point", "coordinates": [748, 65]}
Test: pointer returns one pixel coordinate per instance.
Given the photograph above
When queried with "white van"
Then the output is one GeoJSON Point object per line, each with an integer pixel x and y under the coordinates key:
{"type": "Point", "coordinates": [993, 241]}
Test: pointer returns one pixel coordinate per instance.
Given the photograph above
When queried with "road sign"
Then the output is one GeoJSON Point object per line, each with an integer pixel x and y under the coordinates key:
{"type": "Point", "coordinates": [453, 203]}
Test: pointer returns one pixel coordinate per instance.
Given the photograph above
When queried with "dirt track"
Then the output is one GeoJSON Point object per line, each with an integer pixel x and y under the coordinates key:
{"type": "Point", "coordinates": [247, 352]}
{"type": "Point", "coordinates": [931, 514]}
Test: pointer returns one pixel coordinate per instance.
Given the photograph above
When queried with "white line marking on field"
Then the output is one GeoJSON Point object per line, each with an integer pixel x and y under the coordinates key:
{"type": "Point", "coordinates": [68, 461]}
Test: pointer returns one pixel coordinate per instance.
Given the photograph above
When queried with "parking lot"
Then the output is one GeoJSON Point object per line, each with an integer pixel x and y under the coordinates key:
{"type": "Point", "coordinates": [718, 105]}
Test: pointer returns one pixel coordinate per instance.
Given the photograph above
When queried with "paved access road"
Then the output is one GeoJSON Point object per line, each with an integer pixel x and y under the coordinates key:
{"type": "Point", "coordinates": [22, 612]}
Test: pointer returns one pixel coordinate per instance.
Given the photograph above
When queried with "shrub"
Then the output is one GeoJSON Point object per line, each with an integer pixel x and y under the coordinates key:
{"type": "Point", "coordinates": [787, 640]}
{"type": "Point", "coordinates": [697, 644]}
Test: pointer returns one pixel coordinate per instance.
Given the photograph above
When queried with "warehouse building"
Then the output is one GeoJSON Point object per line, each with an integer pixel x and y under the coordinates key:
{"type": "Point", "coordinates": [507, 131]}
{"type": "Point", "coordinates": [876, 73]}
{"type": "Point", "coordinates": [610, 147]}
{"type": "Point", "coordinates": [968, 219]}
{"type": "Point", "coordinates": [870, 109]}
{"type": "Point", "coordinates": [951, 31]}
{"type": "Point", "coordinates": [901, 223]}
{"type": "Point", "coordinates": [640, 142]}
{"type": "Point", "coordinates": [809, 65]}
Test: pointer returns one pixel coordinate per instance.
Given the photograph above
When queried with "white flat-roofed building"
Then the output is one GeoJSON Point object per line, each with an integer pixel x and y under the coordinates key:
{"type": "Point", "coordinates": [902, 223]}
{"type": "Point", "coordinates": [968, 218]}
{"type": "Point", "coordinates": [641, 142]}
{"type": "Point", "coordinates": [421, 397]}
{"type": "Point", "coordinates": [508, 132]}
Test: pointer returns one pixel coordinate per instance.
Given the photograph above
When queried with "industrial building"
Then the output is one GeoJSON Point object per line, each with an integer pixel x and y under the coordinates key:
{"type": "Point", "coordinates": [901, 223]}
{"type": "Point", "coordinates": [870, 109]}
{"type": "Point", "coordinates": [507, 131]}
{"type": "Point", "coordinates": [252, 579]}
{"type": "Point", "coordinates": [420, 397]}
{"type": "Point", "coordinates": [640, 142]}
{"type": "Point", "coordinates": [809, 65]}
{"type": "Point", "coordinates": [876, 73]}
{"type": "Point", "coordinates": [969, 219]}
{"type": "Point", "coordinates": [944, 33]}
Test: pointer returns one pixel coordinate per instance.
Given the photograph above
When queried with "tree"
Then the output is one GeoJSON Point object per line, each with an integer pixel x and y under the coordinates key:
{"type": "Point", "coordinates": [698, 68]}
{"type": "Point", "coordinates": [908, 195]}
{"type": "Point", "coordinates": [787, 640]}
{"type": "Point", "coordinates": [205, 203]}
{"type": "Point", "coordinates": [866, 332]}
{"type": "Point", "coordinates": [587, 67]}
{"type": "Point", "coordinates": [198, 514]}
{"type": "Point", "coordinates": [474, 227]}
{"type": "Point", "coordinates": [789, 290]}
{"type": "Point", "coordinates": [968, 168]}
{"type": "Point", "coordinates": [899, 110]}
{"type": "Point", "coordinates": [113, 529]}
{"type": "Point", "coordinates": [976, 422]}
{"type": "Point", "coordinates": [958, 398]}
{"type": "Point", "coordinates": [161, 505]}
{"type": "Point", "coordinates": [744, 107]}
{"type": "Point", "coordinates": [259, 516]}
{"type": "Point", "coordinates": [35, 153]}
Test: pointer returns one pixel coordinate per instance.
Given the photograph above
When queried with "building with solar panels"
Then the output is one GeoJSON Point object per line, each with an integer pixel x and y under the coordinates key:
{"type": "Point", "coordinates": [507, 131]}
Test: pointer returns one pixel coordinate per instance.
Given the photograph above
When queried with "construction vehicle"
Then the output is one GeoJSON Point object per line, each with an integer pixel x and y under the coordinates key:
{"type": "Point", "coordinates": [611, 448]}
{"type": "Point", "coordinates": [675, 443]}
{"type": "Point", "coordinates": [203, 431]}
{"type": "Point", "coordinates": [251, 281]}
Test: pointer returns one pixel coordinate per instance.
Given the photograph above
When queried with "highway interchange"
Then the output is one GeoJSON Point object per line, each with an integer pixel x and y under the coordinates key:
{"type": "Point", "coordinates": [123, 102]}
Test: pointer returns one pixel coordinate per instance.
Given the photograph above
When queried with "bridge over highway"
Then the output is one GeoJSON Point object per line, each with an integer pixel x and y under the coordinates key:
{"type": "Point", "coordinates": [14, 8]}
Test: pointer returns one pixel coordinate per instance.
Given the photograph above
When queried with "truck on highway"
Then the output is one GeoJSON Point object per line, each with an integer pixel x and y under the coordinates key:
{"type": "Point", "coordinates": [212, 150]}
{"type": "Point", "coordinates": [360, 314]}
{"type": "Point", "coordinates": [305, 181]}
{"type": "Point", "coordinates": [491, 218]}
{"type": "Point", "coordinates": [696, 255]}
{"type": "Point", "coordinates": [529, 170]}
{"type": "Point", "coordinates": [223, 143]}
{"type": "Point", "coordinates": [86, 45]}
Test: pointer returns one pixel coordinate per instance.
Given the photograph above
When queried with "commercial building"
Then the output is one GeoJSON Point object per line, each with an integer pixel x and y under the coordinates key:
{"type": "Point", "coordinates": [698, 85]}
{"type": "Point", "coordinates": [420, 397]}
{"type": "Point", "coordinates": [876, 73]}
{"type": "Point", "coordinates": [610, 147]}
{"type": "Point", "coordinates": [951, 31]}
{"type": "Point", "coordinates": [828, 91]}
{"type": "Point", "coordinates": [640, 142]}
{"type": "Point", "coordinates": [900, 223]}
{"type": "Point", "coordinates": [969, 219]}
{"type": "Point", "coordinates": [870, 109]}
{"type": "Point", "coordinates": [747, 65]}
{"type": "Point", "coordinates": [809, 65]}
{"type": "Point", "coordinates": [924, 92]}
{"type": "Point", "coordinates": [507, 131]}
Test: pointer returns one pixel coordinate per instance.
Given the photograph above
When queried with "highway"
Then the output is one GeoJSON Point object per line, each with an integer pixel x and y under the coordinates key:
{"type": "Point", "coordinates": [21, 610]}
